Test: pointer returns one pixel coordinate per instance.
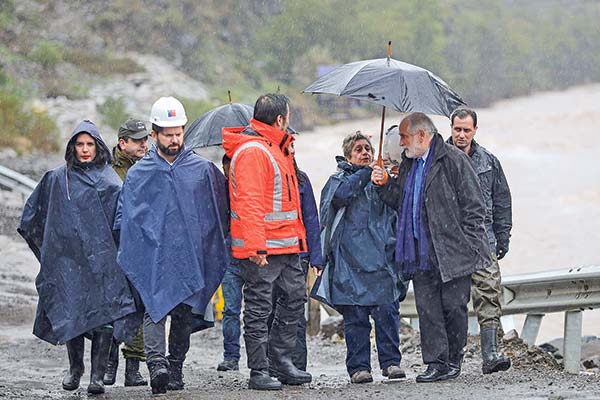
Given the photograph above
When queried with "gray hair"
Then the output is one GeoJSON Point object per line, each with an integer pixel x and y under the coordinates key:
{"type": "Point", "coordinates": [352, 138]}
{"type": "Point", "coordinates": [419, 121]}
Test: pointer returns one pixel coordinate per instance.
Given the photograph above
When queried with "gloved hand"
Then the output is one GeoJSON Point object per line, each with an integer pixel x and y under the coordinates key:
{"type": "Point", "coordinates": [501, 248]}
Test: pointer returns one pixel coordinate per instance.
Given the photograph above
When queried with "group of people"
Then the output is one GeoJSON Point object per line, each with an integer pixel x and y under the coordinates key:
{"type": "Point", "coordinates": [129, 237]}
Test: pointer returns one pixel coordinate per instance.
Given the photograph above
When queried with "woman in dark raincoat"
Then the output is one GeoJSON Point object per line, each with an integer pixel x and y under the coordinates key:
{"type": "Point", "coordinates": [360, 278]}
{"type": "Point", "coordinates": [67, 223]}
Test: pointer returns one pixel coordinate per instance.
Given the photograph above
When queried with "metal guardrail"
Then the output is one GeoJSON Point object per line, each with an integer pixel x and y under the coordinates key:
{"type": "Point", "coordinates": [16, 181]}
{"type": "Point", "coordinates": [571, 291]}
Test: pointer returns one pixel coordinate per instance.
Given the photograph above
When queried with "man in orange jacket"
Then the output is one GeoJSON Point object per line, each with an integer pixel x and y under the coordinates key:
{"type": "Point", "coordinates": [267, 236]}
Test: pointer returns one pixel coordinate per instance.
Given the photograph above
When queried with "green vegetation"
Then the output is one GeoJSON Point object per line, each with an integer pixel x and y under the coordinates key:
{"type": "Point", "coordinates": [24, 129]}
{"type": "Point", "coordinates": [113, 112]}
{"type": "Point", "coordinates": [486, 50]}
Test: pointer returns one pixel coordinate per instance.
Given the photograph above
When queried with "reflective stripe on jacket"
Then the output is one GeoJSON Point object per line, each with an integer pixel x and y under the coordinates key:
{"type": "Point", "coordinates": [265, 203]}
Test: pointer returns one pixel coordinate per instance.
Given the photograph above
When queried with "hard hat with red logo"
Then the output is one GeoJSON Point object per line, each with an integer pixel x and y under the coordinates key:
{"type": "Point", "coordinates": [168, 112]}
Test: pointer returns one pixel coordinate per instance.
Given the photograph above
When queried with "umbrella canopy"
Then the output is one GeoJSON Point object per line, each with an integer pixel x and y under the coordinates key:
{"type": "Point", "coordinates": [206, 130]}
{"type": "Point", "coordinates": [390, 83]}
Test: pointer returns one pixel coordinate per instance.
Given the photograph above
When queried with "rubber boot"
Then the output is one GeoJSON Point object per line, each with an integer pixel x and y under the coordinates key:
{"type": "Point", "coordinates": [492, 362]}
{"type": "Point", "coordinates": [260, 380]}
{"type": "Point", "coordinates": [113, 363]}
{"type": "Point", "coordinates": [132, 373]}
{"type": "Point", "coordinates": [175, 375]}
{"type": "Point", "coordinates": [75, 348]}
{"type": "Point", "coordinates": [282, 343]}
{"type": "Point", "coordinates": [159, 375]}
{"type": "Point", "coordinates": [101, 340]}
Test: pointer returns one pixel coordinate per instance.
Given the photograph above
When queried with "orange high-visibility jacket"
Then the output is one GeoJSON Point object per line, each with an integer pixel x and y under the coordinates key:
{"type": "Point", "coordinates": [263, 191]}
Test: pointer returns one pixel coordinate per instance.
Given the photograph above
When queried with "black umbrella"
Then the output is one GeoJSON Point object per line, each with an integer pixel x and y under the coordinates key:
{"type": "Point", "coordinates": [389, 83]}
{"type": "Point", "coordinates": [206, 130]}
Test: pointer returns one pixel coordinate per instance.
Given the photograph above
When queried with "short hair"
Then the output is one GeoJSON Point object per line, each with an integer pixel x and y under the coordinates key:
{"type": "Point", "coordinates": [157, 129]}
{"type": "Point", "coordinates": [269, 106]}
{"type": "Point", "coordinates": [419, 121]}
{"type": "Point", "coordinates": [352, 138]}
{"type": "Point", "coordinates": [462, 113]}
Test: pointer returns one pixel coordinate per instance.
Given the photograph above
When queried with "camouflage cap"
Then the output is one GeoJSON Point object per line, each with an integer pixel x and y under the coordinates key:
{"type": "Point", "coordinates": [133, 128]}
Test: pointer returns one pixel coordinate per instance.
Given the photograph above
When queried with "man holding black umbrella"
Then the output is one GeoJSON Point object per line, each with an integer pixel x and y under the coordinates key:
{"type": "Point", "coordinates": [441, 238]}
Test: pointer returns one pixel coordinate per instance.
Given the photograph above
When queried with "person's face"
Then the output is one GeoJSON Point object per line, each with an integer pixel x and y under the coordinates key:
{"type": "Point", "coordinates": [85, 148]}
{"type": "Point", "coordinates": [361, 154]}
{"type": "Point", "coordinates": [292, 149]}
{"type": "Point", "coordinates": [414, 145]}
{"type": "Point", "coordinates": [170, 140]}
{"type": "Point", "coordinates": [463, 132]}
{"type": "Point", "coordinates": [134, 148]}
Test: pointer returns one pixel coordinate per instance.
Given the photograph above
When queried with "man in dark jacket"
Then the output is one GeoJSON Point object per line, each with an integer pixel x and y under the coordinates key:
{"type": "Point", "coordinates": [441, 238]}
{"type": "Point", "coordinates": [132, 146]}
{"type": "Point", "coordinates": [498, 223]}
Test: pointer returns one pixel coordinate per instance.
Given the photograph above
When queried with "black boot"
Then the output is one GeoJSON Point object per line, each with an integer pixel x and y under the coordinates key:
{"type": "Point", "coordinates": [101, 340]}
{"type": "Point", "coordinates": [113, 363]}
{"type": "Point", "coordinates": [159, 375]}
{"type": "Point", "coordinates": [260, 380]}
{"type": "Point", "coordinates": [75, 348]}
{"type": "Point", "coordinates": [132, 373]}
{"type": "Point", "coordinates": [282, 343]}
{"type": "Point", "coordinates": [492, 362]}
{"type": "Point", "coordinates": [175, 375]}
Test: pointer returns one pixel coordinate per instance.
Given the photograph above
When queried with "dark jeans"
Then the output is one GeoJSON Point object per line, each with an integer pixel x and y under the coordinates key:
{"type": "Point", "coordinates": [285, 273]}
{"type": "Point", "coordinates": [357, 329]}
{"type": "Point", "coordinates": [232, 294]}
{"type": "Point", "coordinates": [443, 316]}
{"type": "Point", "coordinates": [179, 336]}
{"type": "Point", "coordinates": [299, 358]}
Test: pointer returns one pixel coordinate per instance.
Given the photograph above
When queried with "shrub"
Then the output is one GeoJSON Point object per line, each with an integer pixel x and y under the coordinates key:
{"type": "Point", "coordinates": [47, 54]}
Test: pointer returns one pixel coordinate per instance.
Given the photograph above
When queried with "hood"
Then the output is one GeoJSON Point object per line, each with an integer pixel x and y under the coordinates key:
{"type": "Point", "coordinates": [89, 127]}
{"type": "Point", "coordinates": [235, 137]}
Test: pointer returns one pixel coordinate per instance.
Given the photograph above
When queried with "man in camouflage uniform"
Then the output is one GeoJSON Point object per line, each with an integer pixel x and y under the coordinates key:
{"type": "Point", "coordinates": [485, 289]}
{"type": "Point", "coordinates": [132, 146]}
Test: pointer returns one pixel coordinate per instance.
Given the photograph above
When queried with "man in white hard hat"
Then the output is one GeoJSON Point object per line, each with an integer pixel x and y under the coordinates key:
{"type": "Point", "coordinates": [172, 241]}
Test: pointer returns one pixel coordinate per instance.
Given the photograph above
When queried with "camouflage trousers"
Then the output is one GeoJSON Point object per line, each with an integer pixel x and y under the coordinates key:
{"type": "Point", "coordinates": [486, 292]}
{"type": "Point", "coordinates": [135, 350]}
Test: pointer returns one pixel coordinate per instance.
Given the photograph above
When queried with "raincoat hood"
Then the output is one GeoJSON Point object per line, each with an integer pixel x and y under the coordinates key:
{"type": "Point", "coordinates": [87, 126]}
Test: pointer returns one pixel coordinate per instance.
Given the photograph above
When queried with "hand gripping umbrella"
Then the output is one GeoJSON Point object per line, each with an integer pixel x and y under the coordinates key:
{"type": "Point", "coordinates": [390, 83]}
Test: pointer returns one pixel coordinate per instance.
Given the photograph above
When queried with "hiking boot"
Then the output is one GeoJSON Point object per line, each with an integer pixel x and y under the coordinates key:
{"type": "Point", "coordinates": [113, 363]}
{"type": "Point", "coordinates": [228, 365]}
{"type": "Point", "coordinates": [492, 361]}
{"type": "Point", "coordinates": [260, 380]}
{"type": "Point", "coordinates": [159, 375]}
{"type": "Point", "coordinates": [361, 377]}
{"type": "Point", "coordinates": [101, 340]}
{"type": "Point", "coordinates": [132, 373]}
{"type": "Point", "coordinates": [75, 348]}
{"type": "Point", "coordinates": [175, 375]}
{"type": "Point", "coordinates": [394, 372]}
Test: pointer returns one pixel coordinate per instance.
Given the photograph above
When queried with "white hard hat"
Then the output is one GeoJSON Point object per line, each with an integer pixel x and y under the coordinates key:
{"type": "Point", "coordinates": [168, 112]}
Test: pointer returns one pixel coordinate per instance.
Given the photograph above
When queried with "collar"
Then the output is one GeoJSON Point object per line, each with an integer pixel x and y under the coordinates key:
{"type": "Point", "coordinates": [273, 135]}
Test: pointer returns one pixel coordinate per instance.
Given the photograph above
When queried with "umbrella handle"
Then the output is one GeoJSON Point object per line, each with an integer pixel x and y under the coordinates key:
{"type": "Point", "coordinates": [379, 157]}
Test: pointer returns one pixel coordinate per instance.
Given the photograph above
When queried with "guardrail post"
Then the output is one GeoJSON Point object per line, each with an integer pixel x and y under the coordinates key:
{"type": "Point", "coordinates": [531, 328]}
{"type": "Point", "coordinates": [414, 323]}
{"type": "Point", "coordinates": [572, 341]}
